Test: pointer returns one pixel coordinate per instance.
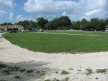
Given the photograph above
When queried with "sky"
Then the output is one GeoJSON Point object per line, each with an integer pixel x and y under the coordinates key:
{"type": "Point", "coordinates": [19, 10]}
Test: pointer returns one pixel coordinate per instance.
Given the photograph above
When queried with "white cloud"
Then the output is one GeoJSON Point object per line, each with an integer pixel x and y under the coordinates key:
{"type": "Point", "coordinates": [10, 16]}
{"type": "Point", "coordinates": [21, 18]}
{"type": "Point", "coordinates": [64, 13]}
{"type": "Point", "coordinates": [2, 12]}
{"type": "Point", "coordinates": [4, 6]}
{"type": "Point", "coordinates": [6, 3]}
{"type": "Point", "coordinates": [46, 6]}
{"type": "Point", "coordinates": [92, 12]}
{"type": "Point", "coordinates": [75, 10]}
{"type": "Point", "coordinates": [50, 16]}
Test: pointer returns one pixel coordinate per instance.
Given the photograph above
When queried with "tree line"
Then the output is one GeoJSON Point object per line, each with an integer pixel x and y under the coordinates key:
{"type": "Point", "coordinates": [64, 23]}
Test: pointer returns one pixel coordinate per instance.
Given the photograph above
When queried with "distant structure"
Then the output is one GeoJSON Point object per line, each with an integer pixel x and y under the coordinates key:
{"type": "Point", "coordinates": [6, 28]}
{"type": "Point", "coordinates": [106, 29]}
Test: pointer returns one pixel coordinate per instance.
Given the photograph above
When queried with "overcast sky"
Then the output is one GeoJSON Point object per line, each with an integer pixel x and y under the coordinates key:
{"type": "Point", "coordinates": [19, 10]}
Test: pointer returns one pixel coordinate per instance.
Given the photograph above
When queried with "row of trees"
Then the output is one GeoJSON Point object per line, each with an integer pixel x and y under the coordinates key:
{"type": "Point", "coordinates": [57, 23]}
{"type": "Point", "coordinates": [9, 23]}
{"type": "Point", "coordinates": [93, 24]}
{"type": "Point", "coordinates": [64, 23]}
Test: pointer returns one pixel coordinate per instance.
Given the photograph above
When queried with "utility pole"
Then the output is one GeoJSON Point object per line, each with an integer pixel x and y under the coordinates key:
{"type": "Point", "coordinates": [7, 27]}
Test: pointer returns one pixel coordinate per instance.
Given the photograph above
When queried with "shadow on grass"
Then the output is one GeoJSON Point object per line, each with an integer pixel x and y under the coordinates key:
{"type": "Point", "coordinates": [6, 37]}
{"type": "Point", "coordinates": [23, 71]}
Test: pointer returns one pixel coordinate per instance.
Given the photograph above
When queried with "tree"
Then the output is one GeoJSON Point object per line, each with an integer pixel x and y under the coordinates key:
{"type": "Point", "coordinates": [20, 23]}
{"type": "Point", "coordinates": [88, 26]}
{"type": "Point", "coordinates": [94, 23]}
{"type": "Point", "coordinates": [55, 24]}
{"type": "Point", "coordinates": [101, 25]}
{"type": "Point", "coordinates": [15, 23]}
{"type": "Point", "coordinates": [41, 22]}
{"type": "Point", "coordinates": [72, 25]}
{"type": "Point", "coordinates": [4, 23]}
{"type": "Point", "coordinates": [26, 24]}
{"type": "Point", "coordinates": [77, 25]}
{"type": "Point", "coordinates": [83, 24]}
{"type": "Point", "coordinates": [32, 24]}
{"type": "Point", "coordinates": [65, 22]}
{"type": "Point", "coordinates": [106, 23]}
{"type": "Point", "coordinates": [10, 23]}
{"type": "Point", "coordinates": [47, 26]}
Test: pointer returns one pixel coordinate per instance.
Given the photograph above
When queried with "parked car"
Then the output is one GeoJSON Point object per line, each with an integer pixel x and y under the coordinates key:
{"type": "Point", "coordinates": [33, 30]}
{"type": "Point", "coordinates": [106, 30]}
{"type": "Point", "coordinates": [40, 30]}
{"type": "Point", "coordinates": [13, 31]}
{"type": "Point", "coordinates": [1, 31]}
{"type": "Point", "coordinates": [25, 30]}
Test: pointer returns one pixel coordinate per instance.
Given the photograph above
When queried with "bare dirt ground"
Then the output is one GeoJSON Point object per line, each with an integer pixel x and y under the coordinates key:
{"type": "Point", "coordinates": [49, 66]}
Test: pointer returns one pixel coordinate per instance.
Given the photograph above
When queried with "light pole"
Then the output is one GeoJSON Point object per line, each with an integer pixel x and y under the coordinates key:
{"type": "Point", "coordinates": [7, 27]}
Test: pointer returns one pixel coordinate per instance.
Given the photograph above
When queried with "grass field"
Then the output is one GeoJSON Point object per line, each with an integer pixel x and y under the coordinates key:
{"type": "Point", "coordinates": [55, 42]}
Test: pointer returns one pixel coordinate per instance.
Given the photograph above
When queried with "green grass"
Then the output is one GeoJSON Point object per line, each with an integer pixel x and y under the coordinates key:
{"type": "Point", "coordinates": [17, 77]}
{"type": "Point", "coordinates": [101, 71]}
{"type": "Point", "coordinates": [89, 72]}
{"type": "Point", "coordinates": [66, 79]}
{"type": "Point", "coordinates": [64, 72]}
{"type": "Point", "coordinates": [47, 80]}
{"type": "Point", "coordinates": [54, 42]}
{"type": "Point", "coordinates": [29, 71]}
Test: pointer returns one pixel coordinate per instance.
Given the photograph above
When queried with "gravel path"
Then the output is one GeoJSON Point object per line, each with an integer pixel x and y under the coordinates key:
{"type": "Point", "coordinates": [52, 64]}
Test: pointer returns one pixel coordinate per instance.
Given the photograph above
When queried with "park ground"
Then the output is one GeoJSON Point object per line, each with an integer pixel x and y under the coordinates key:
{"type": "Point", "coordinates": [41, 66]}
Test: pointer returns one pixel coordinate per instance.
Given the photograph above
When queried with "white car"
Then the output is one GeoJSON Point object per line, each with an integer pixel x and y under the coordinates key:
{"type": "Point", "coordinates": [106, 30]}
{"type": "Point", "coordinates": [40, 30]}
{"type": "Point", "coordinates": [25, 30]}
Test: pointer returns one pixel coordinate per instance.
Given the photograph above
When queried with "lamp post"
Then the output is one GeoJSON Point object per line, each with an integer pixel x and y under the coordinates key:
{"type": "Point", "coordinates": [7, 27]}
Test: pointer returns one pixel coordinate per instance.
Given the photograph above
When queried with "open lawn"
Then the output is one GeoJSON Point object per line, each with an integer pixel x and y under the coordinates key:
{"type": "Point", "coordinates": [54, 42]}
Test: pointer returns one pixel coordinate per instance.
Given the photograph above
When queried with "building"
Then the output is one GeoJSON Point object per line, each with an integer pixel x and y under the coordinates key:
{"type": "Point", "coordinates": [6, 28]}
{"type": "Point", "coordinates": [106, 29]}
